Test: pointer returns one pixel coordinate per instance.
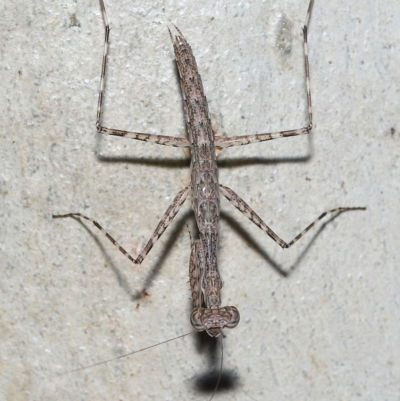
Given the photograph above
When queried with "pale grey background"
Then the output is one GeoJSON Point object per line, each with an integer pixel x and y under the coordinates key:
{"type": "Point", "coordinates": [327, 331]}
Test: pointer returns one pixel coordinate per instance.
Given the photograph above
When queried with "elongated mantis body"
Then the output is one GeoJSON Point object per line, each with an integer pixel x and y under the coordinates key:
{"type": "Point", "coordinates": [205, 189]}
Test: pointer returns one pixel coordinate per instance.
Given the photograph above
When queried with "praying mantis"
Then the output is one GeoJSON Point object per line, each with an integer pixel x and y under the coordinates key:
{"type": "Point", "coordinates": [204, 187]}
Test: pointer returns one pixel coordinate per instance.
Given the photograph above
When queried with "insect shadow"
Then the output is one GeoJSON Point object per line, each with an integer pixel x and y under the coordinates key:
{"type": "Point", "coordinates": [205, 345]}
{"type": "Point", "coordinates": [206, 382]}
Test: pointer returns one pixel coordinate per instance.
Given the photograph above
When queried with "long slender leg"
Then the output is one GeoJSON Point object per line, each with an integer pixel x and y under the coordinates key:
{"type": "Point", "coordinates": [247, 139]}
{"type": "Point", "coordinates": [158, 139]}
{"type": "Point", "coordinates": [242, 206]}
{"type": "Point", "coordinates": [226, 142]}
{"type": "Point", "coordinates": [168, 216]}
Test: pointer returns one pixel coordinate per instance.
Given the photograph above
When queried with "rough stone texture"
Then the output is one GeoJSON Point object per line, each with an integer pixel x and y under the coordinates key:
{"type": "Point", "coordinates": [328, 330]}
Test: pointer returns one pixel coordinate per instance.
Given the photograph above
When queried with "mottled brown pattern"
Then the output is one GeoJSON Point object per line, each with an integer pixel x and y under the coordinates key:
{"type": "Point", "coordinates": [204, 276]}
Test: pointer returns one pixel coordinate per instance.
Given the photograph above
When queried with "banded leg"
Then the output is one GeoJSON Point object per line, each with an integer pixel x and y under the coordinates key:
{"type": "Point", "coordinates": [153, 138]}
{"type": "Point", "coordinates": [169, 215]}
{"type": "Point", "coordinates": [195, 273]}
{"type": "Point", "coordinates": [242, 206]}
{"type": "Point", "coordinates": [248, 139]}
{"type": "Point", "coordinates": [213, 318]}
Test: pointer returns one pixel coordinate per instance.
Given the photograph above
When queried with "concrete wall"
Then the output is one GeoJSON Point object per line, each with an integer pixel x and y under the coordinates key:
{"type": "Point", "coordinates": [319, 321]}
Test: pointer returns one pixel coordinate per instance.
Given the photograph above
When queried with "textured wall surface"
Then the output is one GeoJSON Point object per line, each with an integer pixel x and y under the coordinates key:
{"type": "Point", "coordinates": [320, 321]}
